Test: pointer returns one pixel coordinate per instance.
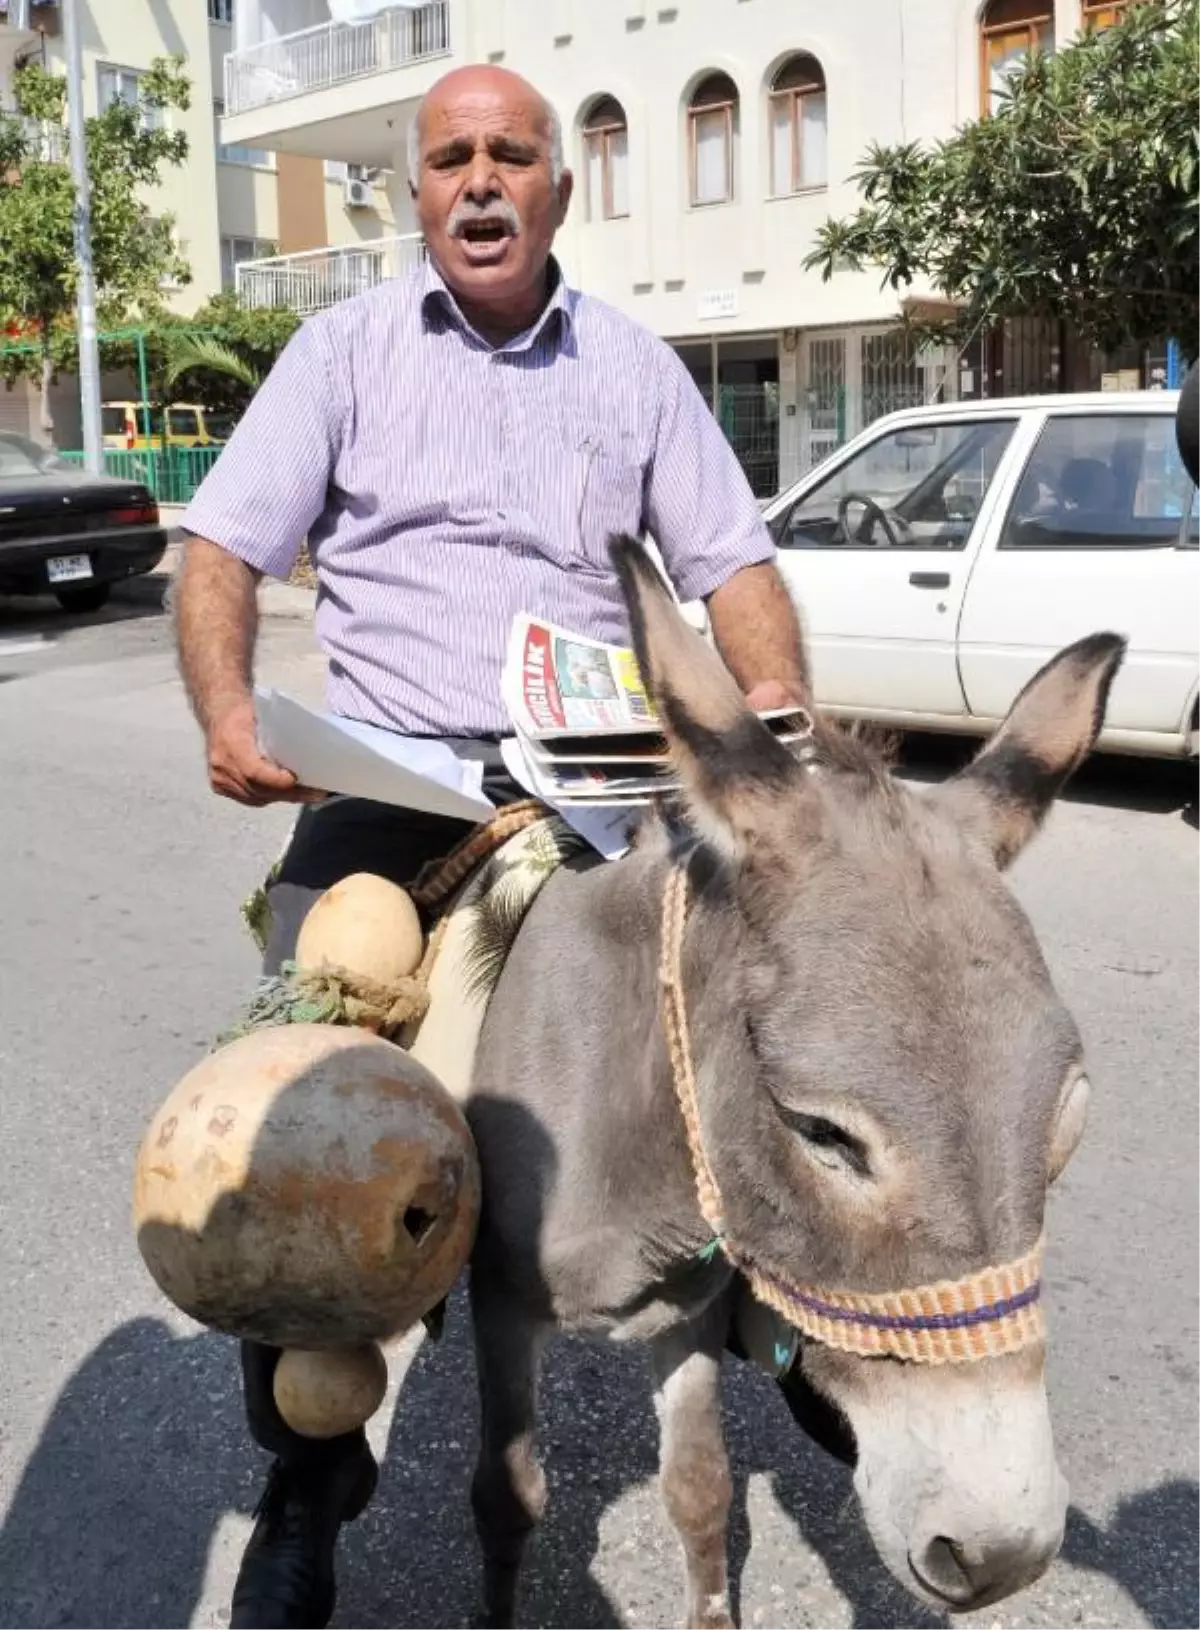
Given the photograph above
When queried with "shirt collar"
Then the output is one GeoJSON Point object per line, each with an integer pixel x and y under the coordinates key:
{"type": "Point", "coordinates": [437, 300]}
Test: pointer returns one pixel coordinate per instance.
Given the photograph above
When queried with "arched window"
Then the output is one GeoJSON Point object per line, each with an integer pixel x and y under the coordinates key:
{"type": "Point", "coordinates": [712, 133]}
{"type": "Point", "coordinates": [1009, 30]}
{"type": "Point", "coordinates": [797, 108]}
{"type": "Point", "coordinates": [606, 160]}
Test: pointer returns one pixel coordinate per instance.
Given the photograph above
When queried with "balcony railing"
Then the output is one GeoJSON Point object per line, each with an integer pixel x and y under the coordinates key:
{"type": "Point", "coordinates": [320, 277]}
{"type": "Point", "coordinates": [334, 53]}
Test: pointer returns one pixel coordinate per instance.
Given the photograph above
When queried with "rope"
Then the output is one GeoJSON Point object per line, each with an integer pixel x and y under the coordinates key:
{"type": "Point", "coordinates": [997, 1310]}
{"type": "Point", "coordinates": [437, 881]}
{"type": "Point", "coordinates": [336, 995]}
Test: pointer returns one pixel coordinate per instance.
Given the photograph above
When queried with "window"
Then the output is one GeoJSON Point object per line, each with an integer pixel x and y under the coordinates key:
{"type": "Point", "coordinates": [1103, 481]}
{"type": "Point", "coordinates": [1009, 31]}
{"type": "Point", "coordinates": [918, 487]}
{"type": "Point", "coordinates": [220, 11]}
{"type": "Point", "coordinates": [256, 158]}
{"type": "Point", "coordinates": [712, 133]}
{"type": "Point", "coordinates": [236, 250]}
{"type": "Point", "coordinates": [606, 160]}
{"type": "Point", "coordinates": [124, 85]}
{"type": "Point", "coordinates": [21, 457]}
{"type": "Point", "coordinates": [797, 110]}
{"type": "Point", "coordinates": [184, 422]}
{"type": "Point", "coordinates": [1099, 14]}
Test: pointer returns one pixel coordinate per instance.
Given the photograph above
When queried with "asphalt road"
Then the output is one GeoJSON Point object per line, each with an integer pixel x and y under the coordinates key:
{"type": "Point", "coordinates": [126, 1479]}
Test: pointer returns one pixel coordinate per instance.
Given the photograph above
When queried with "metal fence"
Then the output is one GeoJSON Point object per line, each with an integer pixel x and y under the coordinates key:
{"type": "Point", "coordinates": [333, 53]}
{"type": "Point", "coordinates": [317, 278]}
{"type": "Point", "coordinates": [171, 473]}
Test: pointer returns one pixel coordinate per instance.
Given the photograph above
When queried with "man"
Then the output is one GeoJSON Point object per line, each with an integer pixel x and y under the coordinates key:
{"type": "Point", "coordinates": [457, 447]}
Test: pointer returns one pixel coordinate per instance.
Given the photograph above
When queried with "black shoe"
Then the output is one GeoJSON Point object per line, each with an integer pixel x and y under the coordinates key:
{"type": "Point", "coordinates": [286, 1577]}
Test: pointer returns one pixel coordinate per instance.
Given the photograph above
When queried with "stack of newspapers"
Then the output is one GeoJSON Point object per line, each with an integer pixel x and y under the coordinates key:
{"type": "Point", "coordinates": [584, 731]}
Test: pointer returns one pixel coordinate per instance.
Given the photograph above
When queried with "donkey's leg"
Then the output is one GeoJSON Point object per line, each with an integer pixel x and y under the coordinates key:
{"type": "Point", "coordinates": [509, 1490]}
{"type": "Point", "coordinates": [695, 1479]}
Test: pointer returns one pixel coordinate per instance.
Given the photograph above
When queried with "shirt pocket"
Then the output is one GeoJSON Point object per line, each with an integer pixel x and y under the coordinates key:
{"type": "Point", "coordinates": [605, 499]}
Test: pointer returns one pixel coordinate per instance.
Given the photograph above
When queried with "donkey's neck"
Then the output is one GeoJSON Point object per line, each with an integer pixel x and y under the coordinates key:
{"type": "Point", "coordinates": [588, 1181]}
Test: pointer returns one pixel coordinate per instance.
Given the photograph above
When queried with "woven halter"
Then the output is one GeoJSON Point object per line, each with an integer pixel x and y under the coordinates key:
{"type": "Point", "coordinates": [995, 1311]}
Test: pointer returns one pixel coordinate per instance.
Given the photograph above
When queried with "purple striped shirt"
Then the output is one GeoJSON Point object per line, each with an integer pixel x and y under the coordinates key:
{"type": "Point", "coordinates": [446, 485]}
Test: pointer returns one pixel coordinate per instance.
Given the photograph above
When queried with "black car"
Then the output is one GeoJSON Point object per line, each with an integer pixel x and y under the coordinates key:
{"type": "Point", "coordinates": [67, 533]}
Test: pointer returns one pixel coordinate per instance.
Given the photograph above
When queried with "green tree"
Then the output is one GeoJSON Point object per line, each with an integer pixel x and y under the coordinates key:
{"type": "Point", "coordinates": [133, 251]}
{"type": "Point", "coordinates": [1077, 198]}
{"type": "Point", "coordinates": [221, 357]}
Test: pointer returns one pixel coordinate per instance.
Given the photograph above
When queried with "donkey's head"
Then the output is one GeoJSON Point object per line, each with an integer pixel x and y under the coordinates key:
{"type": "Point", "coordinates": [887, 1080]}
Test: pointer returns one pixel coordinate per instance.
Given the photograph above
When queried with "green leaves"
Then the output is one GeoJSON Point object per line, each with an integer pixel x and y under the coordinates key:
{"type": "Point", "coordinates": [134, 253]}
{"type": "Point", "coordinates": [1076, 199]}
{"type": "Point", "coordinates": [189, 352]}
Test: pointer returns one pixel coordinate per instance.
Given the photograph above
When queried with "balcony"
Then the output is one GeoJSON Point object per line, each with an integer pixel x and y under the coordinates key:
{"type": "Point", "coordinates": [318, 278]}
{"type": "Point", "coordinates": [333, 91]}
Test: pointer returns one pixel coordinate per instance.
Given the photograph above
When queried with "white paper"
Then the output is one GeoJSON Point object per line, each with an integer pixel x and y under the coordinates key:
{"type": "Point", "coordinates": [604, 826]}
{"type": "Point", "coordinates": [360, 760]}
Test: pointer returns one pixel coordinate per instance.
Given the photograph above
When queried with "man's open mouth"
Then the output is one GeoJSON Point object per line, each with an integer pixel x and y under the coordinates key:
{"type": "Point", "coordinates": [484, 231]}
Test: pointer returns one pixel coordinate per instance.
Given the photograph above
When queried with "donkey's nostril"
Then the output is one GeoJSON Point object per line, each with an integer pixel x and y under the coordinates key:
{"type": "Point", "coordinates": [972, 1575]}
{"type": "Point", "coordinates": [942, 1568]}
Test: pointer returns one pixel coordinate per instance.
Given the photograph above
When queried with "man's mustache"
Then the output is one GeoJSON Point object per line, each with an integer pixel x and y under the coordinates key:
{"type": "Point", "coordinates": [499, 212]}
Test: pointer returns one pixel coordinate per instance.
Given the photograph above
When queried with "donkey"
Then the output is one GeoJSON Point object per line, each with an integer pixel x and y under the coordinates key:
{"type": "Point", "coordinates": [885, 1084]}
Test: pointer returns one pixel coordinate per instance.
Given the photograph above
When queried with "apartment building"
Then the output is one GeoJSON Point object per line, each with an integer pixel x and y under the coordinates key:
{"type": "Point", "coordinates": [709, 139]}
{"type": "Point", "coordinates": [231, 201]}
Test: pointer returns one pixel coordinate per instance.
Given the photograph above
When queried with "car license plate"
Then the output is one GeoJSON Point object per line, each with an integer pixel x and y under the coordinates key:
{"type": "Point", "coordinates": [68, 568]}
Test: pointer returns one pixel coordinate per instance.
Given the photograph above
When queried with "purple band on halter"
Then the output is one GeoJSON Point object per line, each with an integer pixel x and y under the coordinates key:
{"type": "Point", "coordinates": [989, 1313]}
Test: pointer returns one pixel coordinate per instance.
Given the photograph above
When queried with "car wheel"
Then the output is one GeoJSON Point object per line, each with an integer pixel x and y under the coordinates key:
{"type": "Point", "coordinates": [89, 597]}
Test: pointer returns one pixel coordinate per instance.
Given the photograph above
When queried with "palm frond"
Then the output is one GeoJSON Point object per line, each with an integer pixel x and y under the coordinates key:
{"type": "Point", "coordinates": [210, 356]}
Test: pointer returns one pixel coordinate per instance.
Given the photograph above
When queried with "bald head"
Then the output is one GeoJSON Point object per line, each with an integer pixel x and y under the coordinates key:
{"type": "Point", "coordinates": [494, 81]}
{"type": "Point", "coordinates": [486, 169]}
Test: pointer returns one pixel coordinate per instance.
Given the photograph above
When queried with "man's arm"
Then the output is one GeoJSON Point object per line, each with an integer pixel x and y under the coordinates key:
{"type": "Point", "coordinates": [250, 517]}
{"type": "Point", "coordinates": [216, 618]}
{"type": "Point", "coordinates": [707, 525]}
{"type": "Point", "coordinates": [758, 634]}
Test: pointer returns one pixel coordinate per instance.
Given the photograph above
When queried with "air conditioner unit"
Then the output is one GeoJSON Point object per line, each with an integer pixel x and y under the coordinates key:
{"type": "Point", "coordinates": [357, 194]}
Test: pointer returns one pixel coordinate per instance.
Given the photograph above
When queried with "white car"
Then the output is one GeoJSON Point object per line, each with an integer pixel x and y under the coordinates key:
{"type": "Point", "coordinates": [947, 552]}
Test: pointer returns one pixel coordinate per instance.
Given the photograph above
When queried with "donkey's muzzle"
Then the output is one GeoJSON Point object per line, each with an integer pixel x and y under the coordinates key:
{"type": "Point", "coordinates": [978, 1569]}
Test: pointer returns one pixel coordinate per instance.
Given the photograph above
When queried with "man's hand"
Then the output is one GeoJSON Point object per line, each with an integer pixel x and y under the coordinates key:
{"type": "Point", "coordinates": [238, 769]}
{"type": "Point", "coordinates": [216, 617]}
{"type": "Point", "coordinates": [770, 693]}
{"type": "Point", "coordinates": [757, 632]}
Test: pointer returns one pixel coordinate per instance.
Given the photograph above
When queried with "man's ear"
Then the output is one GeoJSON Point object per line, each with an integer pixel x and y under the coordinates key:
{"type": "Point", "coordinates": [566, 188]}
{"type": "Point", "coordinates": [1050, 729]}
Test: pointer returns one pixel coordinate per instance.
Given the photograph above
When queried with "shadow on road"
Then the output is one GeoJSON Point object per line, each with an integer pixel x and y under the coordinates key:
{"type": "Point", "coordinates": [146, 1450]}
{"type": "Point", "coordinates": [27, 617]}
{"type": "Point", "coordinates": [1149, 1548]}
{"type": "Point", "coordinates": [114, 1514]}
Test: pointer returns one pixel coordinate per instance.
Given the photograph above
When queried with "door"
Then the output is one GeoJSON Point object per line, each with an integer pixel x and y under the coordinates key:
{"type": "Point", "coordinates": [823, 424]}
{"type": "Point", "coordinates": [1101, 534]}
{"type": "Point", "coordinates": [877, 554]}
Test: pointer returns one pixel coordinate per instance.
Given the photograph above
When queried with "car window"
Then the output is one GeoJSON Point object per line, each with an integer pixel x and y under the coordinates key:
{"type": "Point", "coordinates": [182, 422]}
{"type": "Point", "coordinates": [112, 421]}
{"type": "Point", "coordinates": [220, 425]}
{"type": "Point", "coordinates": [1101, 481]}
{"type": "Point", "coordinates": [916, 487]}
{"type": "Point", "coordinates": [21, 457]}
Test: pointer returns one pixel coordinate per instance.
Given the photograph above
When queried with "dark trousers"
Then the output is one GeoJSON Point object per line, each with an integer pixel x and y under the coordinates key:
{"type": "Point", "coordinates": [330, 842]}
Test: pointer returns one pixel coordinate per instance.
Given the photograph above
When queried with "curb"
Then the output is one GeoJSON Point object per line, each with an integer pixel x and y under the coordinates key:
{"type": "Point", "coordinates": [287, 600]}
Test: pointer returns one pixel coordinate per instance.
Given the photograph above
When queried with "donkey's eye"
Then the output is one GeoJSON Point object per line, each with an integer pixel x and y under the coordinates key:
{"type": "Point", "coordinates": [830, 1143]}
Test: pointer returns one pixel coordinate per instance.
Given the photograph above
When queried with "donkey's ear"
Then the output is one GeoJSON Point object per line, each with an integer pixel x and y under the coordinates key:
{"type": "Point", "coordinates": [1049, 731]}
{"type": "Point", "coordinates": [731, 767]}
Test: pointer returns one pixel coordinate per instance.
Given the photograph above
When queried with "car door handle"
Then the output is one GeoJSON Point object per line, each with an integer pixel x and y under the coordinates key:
{"type": "Point", "coordinates": [929, 580]}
